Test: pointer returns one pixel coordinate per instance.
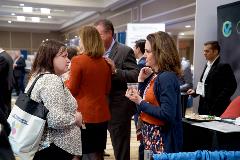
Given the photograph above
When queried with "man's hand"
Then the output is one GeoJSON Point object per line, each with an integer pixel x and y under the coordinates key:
{"type": "Point", "coordinates": [190, 92]}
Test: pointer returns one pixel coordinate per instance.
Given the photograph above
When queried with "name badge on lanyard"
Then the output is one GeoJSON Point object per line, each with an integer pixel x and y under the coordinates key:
{"type": "Point", "coordinates": [200, 88]}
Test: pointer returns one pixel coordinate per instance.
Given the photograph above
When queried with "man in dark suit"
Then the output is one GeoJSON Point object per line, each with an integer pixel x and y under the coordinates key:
{"type": "Point", "coordinates": [6, 81]}
{"type": "Point", "coordinates": [217, 83]}
{"type": "Point", "coordinates": [19, 72]}
{"type": "Point", "coordinates": [124, 68]}
{"type": "Point", "coordinates": [139, 50]}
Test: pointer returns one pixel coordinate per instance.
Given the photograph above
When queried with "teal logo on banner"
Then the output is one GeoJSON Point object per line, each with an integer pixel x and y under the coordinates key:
{"type": "Point", "coordinates": [238, 27]}
{"type": "Point", "coordinates": [227, 28]}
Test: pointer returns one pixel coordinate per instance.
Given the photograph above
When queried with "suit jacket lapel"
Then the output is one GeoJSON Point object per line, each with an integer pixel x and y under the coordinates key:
{"type": "Point", "coordinates": [213, 67]}
{"type": "Point", "coordinates": [114, 50]}
{"type": "Point", "coordinates": [203, 73]}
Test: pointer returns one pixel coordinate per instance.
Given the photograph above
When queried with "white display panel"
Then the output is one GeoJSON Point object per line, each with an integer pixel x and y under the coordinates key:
{"type": "Point", "coordinates": [136, 31]}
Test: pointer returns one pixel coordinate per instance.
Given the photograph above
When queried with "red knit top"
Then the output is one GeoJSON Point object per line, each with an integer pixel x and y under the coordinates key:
{"type": "Point", "coordinates": [90, 82]}
{"type": "Point", "coordinates": [150, 97]}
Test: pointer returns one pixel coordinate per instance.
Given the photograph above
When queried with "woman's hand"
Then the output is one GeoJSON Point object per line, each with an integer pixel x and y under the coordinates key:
{"type": "Point", "coordinates": [133, 95]}
{"type": "Point", "coordinates": [78, 118]}
{"type": "Point", "coordinates": [111, 63]}
{"type": "Point", "coordinates": [144, 73]}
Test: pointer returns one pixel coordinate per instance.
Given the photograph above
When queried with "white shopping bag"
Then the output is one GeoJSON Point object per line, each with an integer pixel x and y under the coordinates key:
{"type": "Point", "coordinates": [26, 133]}
{"type": "Point", "coordinates": [27, 120]}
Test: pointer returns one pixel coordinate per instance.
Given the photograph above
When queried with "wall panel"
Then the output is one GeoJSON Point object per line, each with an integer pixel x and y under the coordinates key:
{"type": "Point", "coordinates": [5, 39]}
{"type": "Point", "coordinates": [21, 40]}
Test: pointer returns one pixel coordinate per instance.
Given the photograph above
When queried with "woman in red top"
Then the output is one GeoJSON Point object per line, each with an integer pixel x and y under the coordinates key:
{"type": "Point", "coordinates": [90, 82]}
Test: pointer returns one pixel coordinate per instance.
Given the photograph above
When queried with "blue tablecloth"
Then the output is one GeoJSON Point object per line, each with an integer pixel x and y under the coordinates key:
{"type": "Point", "coordinates": [199, 155]}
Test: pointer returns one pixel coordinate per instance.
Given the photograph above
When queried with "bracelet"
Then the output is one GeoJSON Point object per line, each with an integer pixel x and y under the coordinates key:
{"type": "Point", "coordinates": [115, 71]}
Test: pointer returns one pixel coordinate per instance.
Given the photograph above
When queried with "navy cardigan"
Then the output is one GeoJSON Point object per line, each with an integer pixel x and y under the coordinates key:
{"type": "Point", "coordinates": [167, 92]}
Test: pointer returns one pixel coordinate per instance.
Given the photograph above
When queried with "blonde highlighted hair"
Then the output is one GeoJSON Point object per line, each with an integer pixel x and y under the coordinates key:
{"type": "Point", "coordinates": [91, 42]}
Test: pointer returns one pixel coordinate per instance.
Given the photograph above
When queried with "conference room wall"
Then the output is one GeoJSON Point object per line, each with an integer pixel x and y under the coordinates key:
{"type": "Point", "coordinates": [12, 40]}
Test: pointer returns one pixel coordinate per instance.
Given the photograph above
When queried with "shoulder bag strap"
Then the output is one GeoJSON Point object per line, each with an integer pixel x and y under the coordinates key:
{"type": "Point", "coordinates": [31, 87]}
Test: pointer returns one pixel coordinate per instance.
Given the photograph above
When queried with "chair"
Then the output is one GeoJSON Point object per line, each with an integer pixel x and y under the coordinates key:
{"type": "Point", "coordinates": [233, 109]}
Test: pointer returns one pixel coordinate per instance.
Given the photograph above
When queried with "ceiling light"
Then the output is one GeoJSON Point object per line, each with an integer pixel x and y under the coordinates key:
{"type": "Point", "coordinates": [13, 14]}
{"type": "Point", "coordinates": [35, 19]}
{"type": "Point", "coordinates": [188, 26]}
{"type": "Point", "coordinates": [45, 10]}
{"type": "Point", "coordinates": [9, 21]}
{"type": "Point", "coordinates": [21, 4]}
{"type": "Point", "coordinates": [21, 18]}
{"type": "Point", "coordinates": [27, 9]}
{"type": "Point", "coordinates": [182, 34]}
{"type": "Point", "coordinates": [49, 17]}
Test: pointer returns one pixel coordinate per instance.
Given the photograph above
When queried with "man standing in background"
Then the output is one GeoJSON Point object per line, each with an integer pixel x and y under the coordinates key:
{"type": "Point", "coordinates": [217, 83]}
{"type": "Point", "coordinates": [186, 83]}
{"type": "Point", "coordinates": [6, 81]}
{"type": "Point", "coordinates": [19, 72]}
{"type": "Point", "coordinates": [124, 69]}
{"type": "Point", "coordinates": [139, 50]}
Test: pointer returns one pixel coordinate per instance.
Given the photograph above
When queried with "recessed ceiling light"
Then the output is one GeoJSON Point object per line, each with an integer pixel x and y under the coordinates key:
{"type": "Point", "coordinates": [45, 10]}
{"type": "Point", "coordinates": [21, 18]}
{"type": "Point", "coordinates": [13, 14]}
{"type": "Point", "coordinates": [35, 19]}
{"type": "Point", "coordinates": [76, 36]}
{"type": "Point", "coordinates": [181, 33]}
{"type": "Point", "coordinates": [49, 17]}
{"type": "Point", "coordinates": [188, 26]}
{"type": "Point", "coordinates": [27, 9]}
{"type": "Point", "coordinates": [21, 4]}
{"type": "Point", "coordinates": [9, 21]}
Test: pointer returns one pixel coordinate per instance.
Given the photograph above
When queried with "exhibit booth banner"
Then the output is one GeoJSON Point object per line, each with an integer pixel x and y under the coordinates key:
{"type": "Point", "coordinates": [136, 31]}
{"type": "Point", "coordinates": [229, 37]}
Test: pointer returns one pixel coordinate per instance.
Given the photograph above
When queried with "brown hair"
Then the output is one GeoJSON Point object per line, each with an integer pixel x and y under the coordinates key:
{"type": "Point", "coordinates": [165, 52]}
{"type": "Point", "coordinates": [72, 51]}
{"type": "Point", "coordinates": [91, 41]}
{"type": "Point", "coordinates": [44, 59]}
{"type": "Point", "coordinates": [214, 45]}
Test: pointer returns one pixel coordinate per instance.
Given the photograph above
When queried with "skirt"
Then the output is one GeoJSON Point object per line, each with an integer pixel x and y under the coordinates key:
{"type": "Point", "coordinates": [94, 137]}
{"type": "Point", "coordinates": [152, 138]}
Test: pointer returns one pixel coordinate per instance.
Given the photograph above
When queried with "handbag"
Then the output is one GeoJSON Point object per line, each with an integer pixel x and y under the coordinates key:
{"type": "Point", "coordinates": [27, 120]}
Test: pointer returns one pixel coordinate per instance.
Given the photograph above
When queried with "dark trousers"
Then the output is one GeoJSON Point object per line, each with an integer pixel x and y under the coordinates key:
{"type": "Point", "coordinates": [141, 151]}
{"type": "Point", "coordinates": [120, 137]}
{"type": "Point", "coordinates": [184, 102]}
{"type": "Point", "coordinates": [19, 84]}
{"type": "Point", "coordinates": [52, 152]}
